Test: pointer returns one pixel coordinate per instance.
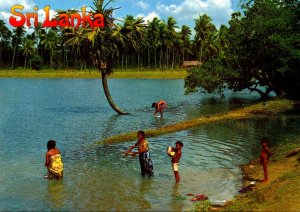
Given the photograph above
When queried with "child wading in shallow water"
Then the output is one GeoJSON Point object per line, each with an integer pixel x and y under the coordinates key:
{"type": "Point", "coordinates": [265, 154]}
{"type": "Point", "coordinates": [175, 159]}
{"type": "Point", "coordinates": [53, 162]}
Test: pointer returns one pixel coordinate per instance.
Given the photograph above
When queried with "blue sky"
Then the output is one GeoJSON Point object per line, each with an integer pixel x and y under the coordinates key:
{"type": "Point", "coordinates": [184, 11]}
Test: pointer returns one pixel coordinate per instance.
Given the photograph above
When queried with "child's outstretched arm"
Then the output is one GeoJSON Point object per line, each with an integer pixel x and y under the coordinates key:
{"type": "Point", "coordinates": [156, 110]}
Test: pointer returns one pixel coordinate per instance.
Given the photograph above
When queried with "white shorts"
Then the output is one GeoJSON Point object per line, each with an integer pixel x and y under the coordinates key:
{"type": "Point", "coordinates": [175, 167]}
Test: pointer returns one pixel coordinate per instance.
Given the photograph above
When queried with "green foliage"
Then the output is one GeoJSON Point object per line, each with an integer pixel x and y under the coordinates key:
{"type": "Point", "coordinates": [208, 78]}
{"type": "Point", "coordinates": [205, 37]}
{"type": "Point", "coordinates": [101, 45]}
{"type": "Point", "coordinates": [202, 206]}
{"type": "Point", "coordinates": [263, 52]}
{"type": "Point", "coordinates": [260, 50]}
{"type": "Point", "coordinates": [36, 62]}
{"type": "Point", "coordinates": [281, 150]}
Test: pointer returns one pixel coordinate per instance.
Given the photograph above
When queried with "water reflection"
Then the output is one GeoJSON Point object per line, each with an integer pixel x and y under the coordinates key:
{"type": "Point", "coordinates": [97, 177]}
{"type": "Point", "coordinates": [56, 194]}
{"type": "Point", "coordinates": [176, 201]}
{"type": "Point", "coordinates": [110, 125]}
{"type": "Point", "coordinates": [159, 121]}
{"type": "Point", "coordinates": [145, 187]}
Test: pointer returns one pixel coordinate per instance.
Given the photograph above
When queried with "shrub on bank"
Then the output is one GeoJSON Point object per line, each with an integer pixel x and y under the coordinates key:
{"type": "Point", "coordinates": [36, 63]}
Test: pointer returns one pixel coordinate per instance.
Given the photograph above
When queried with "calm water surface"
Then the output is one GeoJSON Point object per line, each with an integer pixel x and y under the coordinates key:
{"type": "Point", "coordinates": [75, 113]}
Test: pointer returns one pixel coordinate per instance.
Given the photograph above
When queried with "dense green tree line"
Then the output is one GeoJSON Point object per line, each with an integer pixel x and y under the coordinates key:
{"type": "Point", "coordinates": [164, 45]}
{"type": "Point", "coordinates": [262, 52]}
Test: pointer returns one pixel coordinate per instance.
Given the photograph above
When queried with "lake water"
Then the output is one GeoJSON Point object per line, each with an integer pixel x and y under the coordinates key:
{"type": "Point", "coordinates": [75, 113]}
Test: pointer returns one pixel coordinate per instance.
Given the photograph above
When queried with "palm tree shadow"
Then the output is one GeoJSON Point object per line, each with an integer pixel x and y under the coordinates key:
{"type": "Point", "coordinates": [110, 124]}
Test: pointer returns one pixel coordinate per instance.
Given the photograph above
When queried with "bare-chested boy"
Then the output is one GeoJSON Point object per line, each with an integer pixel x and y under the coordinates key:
{"type": "Point", "coordinates": [265, 154]}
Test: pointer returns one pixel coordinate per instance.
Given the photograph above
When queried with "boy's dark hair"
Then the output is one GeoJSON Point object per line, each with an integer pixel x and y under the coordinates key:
{"type": "Point", "coordinates": [180, 143]}
{"type": "Point", "coordinates": [154, 104]}
{"type": "Point", "coordinates": [51, 144]}
{"type": "Point", "coordinates": [264, 140]}
{"type": "Point", "coordinates": [142, 133]}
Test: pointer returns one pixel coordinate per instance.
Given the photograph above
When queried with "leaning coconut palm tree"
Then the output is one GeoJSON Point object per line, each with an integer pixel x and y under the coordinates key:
{"type": "Point", "coordinates": [101, 45]}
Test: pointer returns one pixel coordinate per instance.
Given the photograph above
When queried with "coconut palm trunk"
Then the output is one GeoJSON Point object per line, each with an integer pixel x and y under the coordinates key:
{"type": "Point", "coordinates": [25, 61]}
{"type": "Point", "coordinates": [108, 96]}
{"type": "Point", "coordinates": [14, 55]}
{"type": "Point", "coordinates": [1, 57]}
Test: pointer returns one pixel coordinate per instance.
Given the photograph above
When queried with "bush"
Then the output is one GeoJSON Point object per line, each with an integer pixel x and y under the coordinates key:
{"type": "Point", "coordinates": [36, 63]}
{"type": "Point", "coordinates": [202, 206]}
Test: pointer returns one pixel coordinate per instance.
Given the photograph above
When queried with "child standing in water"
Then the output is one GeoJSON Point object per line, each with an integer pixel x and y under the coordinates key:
{"type": "Point", "coordinates": [175, 160]}
{"type": "Point", "coordinates": [53, 162]}
{"type": "Point", "coordinates": [265, 154]}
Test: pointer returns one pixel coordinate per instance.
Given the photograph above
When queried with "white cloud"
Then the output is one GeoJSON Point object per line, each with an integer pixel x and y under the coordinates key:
{"type": "Point", "coordinates": [143, 5]}
{"type": "Point", "coordinates": [149, 16]}
{"type": "Point", "coordinates": [219, 10]}
{"type": "Point", "coordinates": [5, 15]}
{"type": "Point", "coordinates": [5, 5]}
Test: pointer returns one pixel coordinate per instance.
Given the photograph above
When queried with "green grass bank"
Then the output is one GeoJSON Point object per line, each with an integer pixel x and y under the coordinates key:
{"type": "Point", "coordinates": [281, 193]}
{"type": "Point", "coordinates": [129, 73]}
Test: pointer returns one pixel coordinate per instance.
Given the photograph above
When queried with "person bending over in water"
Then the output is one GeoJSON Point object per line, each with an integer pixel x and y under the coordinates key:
{"type": "Point", "coordinates": [53, 162]}
{"type": "Point", "coordinates": [159, 107]}
{"type": "Point", "coordinates": [144, 156]}
{"type": "Point", "coordinates": [265, 154]}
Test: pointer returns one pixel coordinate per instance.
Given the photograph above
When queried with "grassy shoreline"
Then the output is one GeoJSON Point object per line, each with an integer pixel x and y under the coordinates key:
{"type": "Point", "coordinates": [129, 73]}
{"type": "Point", "coordinates": [264, 108]}
{"type": "Point", "coordinates": [281, 193]}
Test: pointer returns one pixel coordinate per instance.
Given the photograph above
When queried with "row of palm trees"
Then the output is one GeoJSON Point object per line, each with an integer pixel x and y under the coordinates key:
{"type": "Point", "coordinates": [163, 44]}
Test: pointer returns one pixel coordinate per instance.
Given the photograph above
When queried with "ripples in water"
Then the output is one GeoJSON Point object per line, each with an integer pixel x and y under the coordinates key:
{"type": "Point", "coordinates": [97, 177]}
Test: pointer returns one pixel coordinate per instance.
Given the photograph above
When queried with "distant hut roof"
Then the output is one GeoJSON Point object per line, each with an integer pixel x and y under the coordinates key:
{"type": "Point", "coordinates": [186, 64]}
